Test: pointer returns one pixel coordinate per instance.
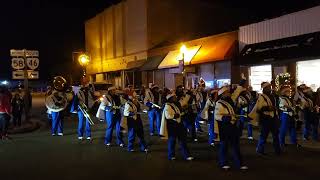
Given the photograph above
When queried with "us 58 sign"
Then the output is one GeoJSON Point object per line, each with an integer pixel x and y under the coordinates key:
{"type": "Point", "coordinates": [17, 63]}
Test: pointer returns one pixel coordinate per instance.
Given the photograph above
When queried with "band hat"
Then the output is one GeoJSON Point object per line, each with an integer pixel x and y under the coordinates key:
{"type": "Point", "coordinates": [112, 88]}
{"type": "Point", "coordinates": [154, 86]}
{"type": "Point", "coordinates": [265, 84]}
{"type": "Point", "coordinates": [222, 90]}
{"type": "Point", "coordinates": [170, 96]}
{"type": "Point", "coordinates": [307, 89]}
{"type": "Point", "coordinates": [284, 89]}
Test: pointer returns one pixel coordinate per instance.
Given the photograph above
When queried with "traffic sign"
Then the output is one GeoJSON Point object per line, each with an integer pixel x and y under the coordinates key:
{"type": "Point", "coordinates": [17, 63]}
{"type": "Point", "coordinates": [33, 74]}
{"type": "Point", "coordinates": [19, 74]}
{"type": "Point", "coordinates": [32, 53]}
{"type": "Point", "coordinates": [21, 53]}
{"type": "Point", "coordinates": [33, 63]}
{"type": "Point", "coordinates": [16, 53]}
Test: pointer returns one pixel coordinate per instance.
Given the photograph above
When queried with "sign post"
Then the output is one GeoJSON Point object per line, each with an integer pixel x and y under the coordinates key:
{"type": "Point", "coordinates": [22, 61]}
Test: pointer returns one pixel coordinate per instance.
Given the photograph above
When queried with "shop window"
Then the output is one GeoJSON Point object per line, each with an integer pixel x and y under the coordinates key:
{"type": "Point", "coordinates": [308, 73]}
{"type": "Point", "coordinates": [223, 82]}
{"type": "Point", "coordinates": [259, 74]}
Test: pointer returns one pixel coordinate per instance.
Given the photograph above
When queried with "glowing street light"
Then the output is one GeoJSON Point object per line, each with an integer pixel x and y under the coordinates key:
{"type": "Point", "coordinates": [183, 49]}
{"type": "Point", "coordinates": [84, 60]}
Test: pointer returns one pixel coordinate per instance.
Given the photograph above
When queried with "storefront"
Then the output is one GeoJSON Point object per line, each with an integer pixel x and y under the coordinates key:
{"type": "Point", "coordinates": [272, 47]}
{"type": "Point", "coordinates": [150, 72]}
{"type": "Point", "coordinates": [209, 58]}
{"type": "Point", "coordinates": [297, 55]}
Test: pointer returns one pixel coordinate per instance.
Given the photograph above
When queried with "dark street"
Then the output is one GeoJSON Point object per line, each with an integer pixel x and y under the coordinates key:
{"type": "Point", "coordinates": [38, 155]}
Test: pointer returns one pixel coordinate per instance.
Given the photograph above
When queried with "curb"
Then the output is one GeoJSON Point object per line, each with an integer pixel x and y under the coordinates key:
{"type": "Point", "coordinates": [29, 127]}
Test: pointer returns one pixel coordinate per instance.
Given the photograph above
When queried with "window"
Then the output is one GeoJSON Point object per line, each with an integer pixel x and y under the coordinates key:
{"type": "Point", "coordinates": [259, 74]}
{"type": "Point", "coordinates": [308, 73]}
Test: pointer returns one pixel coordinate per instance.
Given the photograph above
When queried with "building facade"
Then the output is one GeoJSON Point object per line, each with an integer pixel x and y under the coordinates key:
{"type": "Point", "coordinates": [289, 43]}
{"type": "Point", "coordinates": [123, 39]}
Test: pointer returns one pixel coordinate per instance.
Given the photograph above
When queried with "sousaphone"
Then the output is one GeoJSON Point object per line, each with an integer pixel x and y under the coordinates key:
{"type": "Point", "coordinates": [56, 100]}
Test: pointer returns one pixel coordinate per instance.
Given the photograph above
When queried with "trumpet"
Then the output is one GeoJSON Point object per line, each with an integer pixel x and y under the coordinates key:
{"type": "Point", "coordinates": [84, 109]}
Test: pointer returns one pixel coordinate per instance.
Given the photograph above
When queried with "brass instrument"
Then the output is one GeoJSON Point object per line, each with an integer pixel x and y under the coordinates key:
{"type": "Point", "coordinates": [56, 100]}
{"type": "Point", "coordinates": [84, 109]}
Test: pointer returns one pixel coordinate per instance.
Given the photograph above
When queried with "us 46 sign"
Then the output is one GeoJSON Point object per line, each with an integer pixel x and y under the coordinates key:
{"type": "Point", "coordinates": [33, 63]}
{"type": "Point", "coordinates": [17, 63]}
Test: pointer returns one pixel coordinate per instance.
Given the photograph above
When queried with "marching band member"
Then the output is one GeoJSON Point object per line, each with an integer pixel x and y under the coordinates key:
{"type": "Point", "coordinates": [153, 100]}
{"type": "Point", "coordinates": [266, 114]}
{"type": "Point", "coordinates": [208, 114]}
{"type": "Point", "coordinates": [310, 120]}
{"type": "Point", "coordinates": [172, 128]}
{"type": "Point", "coordinates": [186, 99]}
{"type": "Point", "coordinates": [80, 97]}
{"type": "Point", "coordinates": [287, 117]}
{"type": "Point", "coordinates": [201, 100]}
{"type": "Point", "coordinates": [113, 116]}
{"type": "Point", "coordinates": [241, 98]}
{"type": "Point", "coordinates": [134, 123]}
{"type": "Point", "coordinates": [229, 133]}
{"type": "Point", "coordinates": [56, 101]}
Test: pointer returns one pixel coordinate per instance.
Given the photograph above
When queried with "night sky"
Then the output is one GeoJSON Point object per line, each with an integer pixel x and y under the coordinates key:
{"type": "Point", "coordinates": [56, 28]}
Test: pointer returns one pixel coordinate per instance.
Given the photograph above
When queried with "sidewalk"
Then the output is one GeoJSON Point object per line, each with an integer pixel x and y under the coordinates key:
{"type": "Point", "coordinates": [26, 126]}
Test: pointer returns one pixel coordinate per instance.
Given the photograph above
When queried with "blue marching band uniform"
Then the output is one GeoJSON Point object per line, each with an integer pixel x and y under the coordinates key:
{"type": "Point", "coordinates": [311, 122]}
{"type": "Point", "coordinates": [228, 130]}
{"type": "Point", "coordinates": [179, 113]}
{"type": "Point", "coordinates": [287, 118]}
{"type": "Point", "coordinates": [134, 124]}
{"type": "Point", "coordinates": [111, 104]}
{"type": "Point", "coordinates": [81, 96]}
{"type": "Point", "coordinates": [241, 98]}
{"type": "Point", "coordinates": [208, 115]}
{"type": "Point", "coordinates": [201, 101]}
{"type": "Point", "coordinates": [265, 114]}
{"type": "Point", "coordinates": [153, 101]}
{"type": "Point", "coordinates": [172, 128]}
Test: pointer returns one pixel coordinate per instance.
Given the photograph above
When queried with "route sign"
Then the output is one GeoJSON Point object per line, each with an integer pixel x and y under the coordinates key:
{"type": "Point", "coordinates": [33, 74]}
{"type": "Point", "coordinates": [21, 53]}
{"type": "Point", "coordinates": [33, 63]}
{"type": "Point", "coordinates": [17, 63]}
{"type": "Point", "coordinates": [19, 74]}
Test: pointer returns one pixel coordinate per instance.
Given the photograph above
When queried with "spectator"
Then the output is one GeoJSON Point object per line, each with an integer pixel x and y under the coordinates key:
{"type": "Point", "coordinates": [5, 111]}
{"type": "Point", "coordinates": [17, 107]}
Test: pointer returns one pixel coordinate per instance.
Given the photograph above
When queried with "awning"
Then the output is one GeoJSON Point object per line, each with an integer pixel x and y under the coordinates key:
{"type": "Point", "coordinates": [216, 48]}
{"type": "Point", "coordinates": [303, 46]}
{"type": "Point", "coordinates": [152, 63]}
{"type": "Point", "coordinates": [135, 64]}
{"type": "Point", "coordinates": [173, 57]}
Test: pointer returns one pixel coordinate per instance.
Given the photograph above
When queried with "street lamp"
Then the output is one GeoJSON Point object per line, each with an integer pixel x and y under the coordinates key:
{"type": "Point", "coordinates": [183, 50]}
{"type": "Point", "coordinates": [84, 60]}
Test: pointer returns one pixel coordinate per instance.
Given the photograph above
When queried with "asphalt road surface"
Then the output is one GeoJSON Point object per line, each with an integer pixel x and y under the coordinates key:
{"type": "Point", "coordinates": [38, 155]}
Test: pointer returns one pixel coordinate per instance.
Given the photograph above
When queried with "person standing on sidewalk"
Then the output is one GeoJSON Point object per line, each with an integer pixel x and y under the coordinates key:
{"type": "Point", "coordinates": [5, 111]}
{"type": "Point", "coordinates": [17, 109]}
